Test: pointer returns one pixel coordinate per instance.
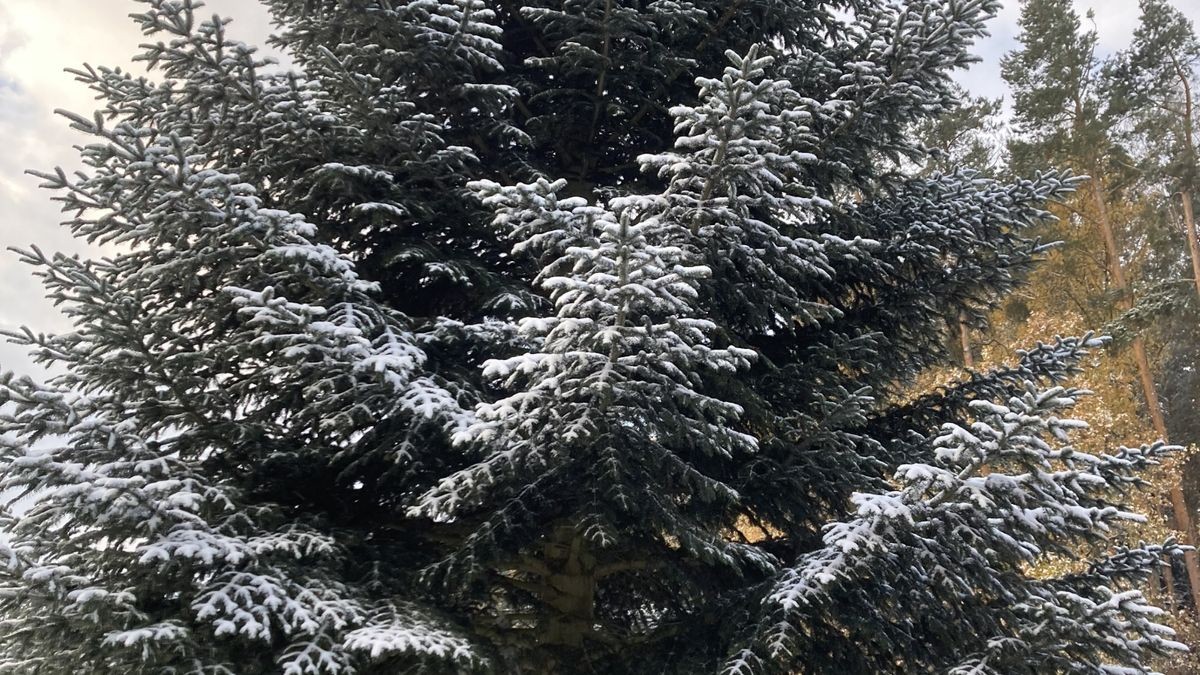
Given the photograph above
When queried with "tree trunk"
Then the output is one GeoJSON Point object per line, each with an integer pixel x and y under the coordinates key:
{"type": "Point", "coordinates": [1189, 226]}
{"type": "Point", "coordinates": [1183, 518]}
{"type": "Point", "coordinates": [1155, 592]}
{"type": "Point", "coordinates": [1169, 581]}
{"type": "Point", "coordinates": [1168, 571]}
{"type": "Point", "coordinates": [1188, 179]}
{"type": "Point", "coordinates": [964, 336]}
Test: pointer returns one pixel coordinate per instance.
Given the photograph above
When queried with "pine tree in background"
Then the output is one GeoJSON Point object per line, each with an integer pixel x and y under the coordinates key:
{"type": "Point", "coordinates": [1066, 112]}
{"type": "Point", "coordinates": [550, 337]}
{"type": "Point", "coordinates": [970, 135]}
{"type": "Point", "coordinates": [1157, 79]}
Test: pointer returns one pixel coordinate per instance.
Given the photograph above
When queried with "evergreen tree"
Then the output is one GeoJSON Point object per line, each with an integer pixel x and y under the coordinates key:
{"type": "Point", "coordinates": [550, 337]}
{"type": "Point", "coordinates": [1157, 80]}
{"type": "Point", "coordinates": [1154, 82]}
{"type": "Point", "coordinates": [970, 135]}
{"type": "Point", "coordinates": [966, 136]}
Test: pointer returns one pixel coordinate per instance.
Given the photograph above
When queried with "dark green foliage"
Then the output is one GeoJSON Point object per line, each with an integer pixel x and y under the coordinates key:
{"type": "Point", "coordinates": [549, 337]}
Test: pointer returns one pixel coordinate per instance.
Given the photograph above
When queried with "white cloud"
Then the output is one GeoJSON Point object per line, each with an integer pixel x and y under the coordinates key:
{"type": "Point", "coordinates": [1115, 21]}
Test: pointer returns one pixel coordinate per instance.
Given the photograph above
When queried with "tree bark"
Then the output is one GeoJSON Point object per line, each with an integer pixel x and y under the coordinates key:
{"type": "Point", "coordinates": [1168, 571]}
{"type": "Point", "coordinates": [964, 336]}
{"type": "Point", "coordinates": [1183, 518]}
{"type": "Point", "coordinates": [1188, 179]}
{"type": "Point", "coordinates": [1189, 226]}
{"type": "Point", "coordinates": [1155, 592]}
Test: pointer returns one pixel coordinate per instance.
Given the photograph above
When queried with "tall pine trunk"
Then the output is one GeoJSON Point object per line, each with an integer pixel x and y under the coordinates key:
{"type": "Point", "coordinates": [1189, 226]}
{"type": "Point", "coordinates": [1185, 189]}
{"type": "Point", "coordinates": [964, 337]}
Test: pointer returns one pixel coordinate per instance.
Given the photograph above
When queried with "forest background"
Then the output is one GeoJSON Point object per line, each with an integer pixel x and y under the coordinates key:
{"type": "Point", "coordinates": [1125, 258]}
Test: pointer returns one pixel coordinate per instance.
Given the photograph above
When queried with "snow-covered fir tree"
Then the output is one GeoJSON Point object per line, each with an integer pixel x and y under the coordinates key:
{"type": "Point", "coordinates": [549, 337]}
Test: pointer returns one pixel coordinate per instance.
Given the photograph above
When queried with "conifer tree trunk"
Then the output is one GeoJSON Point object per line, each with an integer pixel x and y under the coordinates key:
{"type": "Point", "coordinates": [1183, 520]}
{"type": "Point", "coordinates": [1169, 581]}
{"type": "Point", "coordinates": [1168, 572]}
{"type": "Point", "coordinates": [1185, 190]}
{"type": "Point", "coordinates": [1153, 594]}
{"type": "Point", "coordinates": [964, 336]}
{"type": "Point", "coordinates": [1189, 225]}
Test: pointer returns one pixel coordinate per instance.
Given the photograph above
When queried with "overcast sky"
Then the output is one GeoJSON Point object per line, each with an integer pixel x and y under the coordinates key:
{"type": "Point", "coordinates": [39, 38]}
